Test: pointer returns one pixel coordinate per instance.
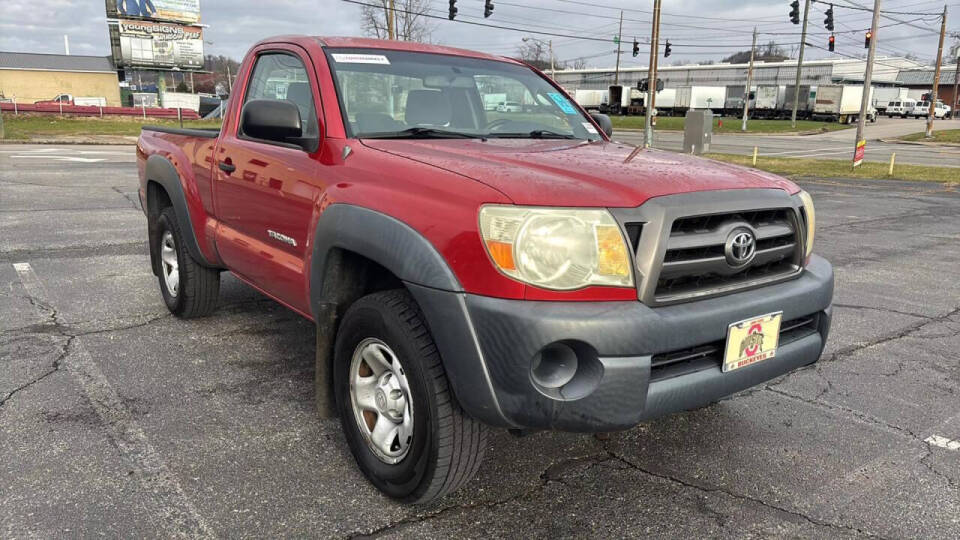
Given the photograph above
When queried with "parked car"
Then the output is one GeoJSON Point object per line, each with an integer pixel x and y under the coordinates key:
{"type": "Point", "coordinates": [68, 99]}
{"type": "Point", "coordinates": [509, 106]}
{"type": "Point", "coordinates": [901, 107]}
{"type": "Point", "coordinates": [464, 272]}
{"type": "Point", "coordinates": [922, 110]}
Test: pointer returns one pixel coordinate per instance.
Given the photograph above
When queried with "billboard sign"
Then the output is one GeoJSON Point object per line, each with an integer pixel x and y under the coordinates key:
{"type": "Point", "coordinates": [147, 44]}
{"type": "Point", "coordinates": [184, 11]}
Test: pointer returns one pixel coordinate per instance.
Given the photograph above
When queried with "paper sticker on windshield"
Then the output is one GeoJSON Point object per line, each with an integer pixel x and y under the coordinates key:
{"type": "Point", "coordinates": [562, 102]}
{"type": "Point", "coordinates": [589, 127]}
{"type": "Point", "coordinates": [360, 58]}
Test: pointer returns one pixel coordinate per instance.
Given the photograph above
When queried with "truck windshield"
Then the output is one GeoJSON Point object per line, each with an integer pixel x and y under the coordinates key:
{"type": "Point", "coordinates": [399, 94]}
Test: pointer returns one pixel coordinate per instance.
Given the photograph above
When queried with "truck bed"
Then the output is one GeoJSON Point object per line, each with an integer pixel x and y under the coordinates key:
{"type": "Point", "coordinates": [208, 133]}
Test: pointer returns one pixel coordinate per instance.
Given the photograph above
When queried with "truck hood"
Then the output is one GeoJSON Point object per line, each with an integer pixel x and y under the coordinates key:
{"type": "Point", "coordinates": [577, 173]}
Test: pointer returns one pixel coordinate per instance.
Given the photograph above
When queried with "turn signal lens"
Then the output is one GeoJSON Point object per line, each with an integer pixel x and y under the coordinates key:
{"type": "Point", "coordinates": [612, 258]}
{"type": "Point", "coordinates": [556, 248]}
{"type": "Point", "coordinates": [502, 254]}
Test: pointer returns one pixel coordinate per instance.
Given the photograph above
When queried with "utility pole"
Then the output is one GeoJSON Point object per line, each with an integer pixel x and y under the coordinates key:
{"type": "Point", "coordinates": [391, 31]}
{"type": "Point", "coordinates": [936, 75]}
{"type": "Point", "coordinates": [229, 79]}
{"type": "Point", "coordinates": [553, 67]}
{"type": "Point", "coordinates": [650, 102]}
{"type": "Point", "coordinates": [616, 74]}
{"type": "Point", "coordinates": [746, 94]}
{"type": "Point", "coordinates": [803, 42]}
{"type": "Point", "coordinates": [860, 146]}
{"type": "Point", "coordinates": [956, 83]}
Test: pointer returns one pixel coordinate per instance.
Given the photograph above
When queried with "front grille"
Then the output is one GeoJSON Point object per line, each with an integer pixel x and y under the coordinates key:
{"type": "Point", "coordinates": [694, 263]}
{"type": "Point", "coordinates": [676, 363]}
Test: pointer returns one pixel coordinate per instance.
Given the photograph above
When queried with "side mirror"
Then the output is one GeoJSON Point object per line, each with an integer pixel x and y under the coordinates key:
{"type": "Point", "coordinates": [276, 121]}
{"type": "Point", "coordinates": [604, 122]}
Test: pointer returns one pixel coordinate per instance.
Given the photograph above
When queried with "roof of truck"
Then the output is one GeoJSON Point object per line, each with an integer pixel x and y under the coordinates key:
{"type": "Point", "coordinates": [369, 43]}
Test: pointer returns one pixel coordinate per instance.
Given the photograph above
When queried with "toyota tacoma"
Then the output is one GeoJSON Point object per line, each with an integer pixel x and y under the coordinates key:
{"type": "Point", "coordinates": [468, 268]}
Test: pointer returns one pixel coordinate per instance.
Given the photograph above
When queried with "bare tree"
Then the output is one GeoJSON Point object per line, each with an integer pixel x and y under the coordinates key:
{"type": "Point", "coordinates": [535, 53]}
{"type": "Point", "coordinates": [411, 22]}
{"type": "Point", "coordinates": [579, 63]}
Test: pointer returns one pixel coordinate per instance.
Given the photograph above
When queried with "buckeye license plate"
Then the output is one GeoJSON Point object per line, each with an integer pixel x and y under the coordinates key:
{"type": "Point", "coordinates": [751, 341]}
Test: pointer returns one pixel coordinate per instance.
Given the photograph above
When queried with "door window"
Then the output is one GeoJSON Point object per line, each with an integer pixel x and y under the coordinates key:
{"type": "Point", "coordinates": [282, 76]}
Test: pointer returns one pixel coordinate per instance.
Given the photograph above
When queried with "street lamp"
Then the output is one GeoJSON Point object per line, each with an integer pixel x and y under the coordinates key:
{"type": "Point", "coordinates": [553, 73]}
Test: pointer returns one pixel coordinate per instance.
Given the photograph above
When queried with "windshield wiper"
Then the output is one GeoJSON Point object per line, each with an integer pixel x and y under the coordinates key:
{"type": "Point", "coordinates": [421, 133]}
{"type": "Point", "coordinates": [535, 134]}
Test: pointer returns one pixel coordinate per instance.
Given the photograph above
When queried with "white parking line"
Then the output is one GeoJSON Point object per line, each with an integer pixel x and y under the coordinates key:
{"type": "Point", "coordinates": [60, 158]}
{"type": "Point", "coordinates": [942, 442]}
{"type": "Point", "coordinates": [167, 498]}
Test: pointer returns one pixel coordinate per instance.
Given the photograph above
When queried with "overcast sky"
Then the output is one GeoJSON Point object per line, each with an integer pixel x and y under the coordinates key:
{"type": "Point", "coordinates": [698, 29]}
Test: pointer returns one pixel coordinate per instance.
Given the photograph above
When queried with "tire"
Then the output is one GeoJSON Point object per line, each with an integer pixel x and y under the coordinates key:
{"type": "Point", "coordinates": [446, 446]}
{"type": "Point", "coordinates": [194, 291]}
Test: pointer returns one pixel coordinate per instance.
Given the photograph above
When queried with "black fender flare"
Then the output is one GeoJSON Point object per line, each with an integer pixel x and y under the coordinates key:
{"type": "Point", "coordinates": [159, 169]}
{"type": "Point", "coordinates": [383, 239]}
{"type": "Point", "coordinates": [387, 241]}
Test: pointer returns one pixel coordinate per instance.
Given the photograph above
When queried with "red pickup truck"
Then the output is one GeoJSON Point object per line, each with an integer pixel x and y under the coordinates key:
{"type": "Point", "coordinates": [468, 268]}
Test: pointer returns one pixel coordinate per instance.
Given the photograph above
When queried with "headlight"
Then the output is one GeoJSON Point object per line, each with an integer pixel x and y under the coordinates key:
{"type": "Point", "coordinates": [811, 221]}
{"type": "Point", "coordinates": [555, 248]}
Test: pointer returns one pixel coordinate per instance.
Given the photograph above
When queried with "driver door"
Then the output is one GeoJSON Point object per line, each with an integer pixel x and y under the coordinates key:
{"type": "Point", "coordinates": [265, 190]}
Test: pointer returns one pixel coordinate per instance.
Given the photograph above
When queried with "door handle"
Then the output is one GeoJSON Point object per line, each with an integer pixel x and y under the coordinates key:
{"type": "Point", "coordinates": [226, 166]}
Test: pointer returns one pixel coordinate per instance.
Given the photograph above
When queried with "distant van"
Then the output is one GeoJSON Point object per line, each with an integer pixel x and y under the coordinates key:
{"type": "Point", "coordinates": [901, 107]}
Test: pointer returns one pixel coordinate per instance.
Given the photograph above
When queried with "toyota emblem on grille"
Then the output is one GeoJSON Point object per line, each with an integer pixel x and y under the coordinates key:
{"type": "Point", "coordinates": [740, 247]}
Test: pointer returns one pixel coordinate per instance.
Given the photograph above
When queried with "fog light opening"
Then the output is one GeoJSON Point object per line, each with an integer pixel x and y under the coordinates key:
{"type": "Point", "coordinates": [566, 370]}
{"type": "Point", "coordinates": [554, 366]}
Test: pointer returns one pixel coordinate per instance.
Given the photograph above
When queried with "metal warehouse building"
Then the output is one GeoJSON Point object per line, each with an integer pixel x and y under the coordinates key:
{"type": "Point", "coordinates": [815, 72]}
{"type": "Point", "coordinates": [28, 77]}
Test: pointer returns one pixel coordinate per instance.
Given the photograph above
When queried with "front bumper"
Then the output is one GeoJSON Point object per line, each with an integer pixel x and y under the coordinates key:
{"type": "Point", "coordinates": [488, 345]}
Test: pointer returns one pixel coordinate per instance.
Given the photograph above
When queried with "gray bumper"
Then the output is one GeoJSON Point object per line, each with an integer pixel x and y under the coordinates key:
{"type": "Point", "coordinates": [488, 345]}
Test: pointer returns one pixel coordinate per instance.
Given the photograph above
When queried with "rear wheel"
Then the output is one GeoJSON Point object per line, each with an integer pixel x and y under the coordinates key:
{"type": "Point", "coordinates": [405, 428]}
{"type": "Point", "coordinates": [188, 288]}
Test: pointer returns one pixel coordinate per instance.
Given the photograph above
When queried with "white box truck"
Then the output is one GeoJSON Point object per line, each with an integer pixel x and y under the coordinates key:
{"type": "Point", "coordinates": [768, 100]}
{"type": "Point", "coordinates": [882, 96]}
{"type": "Point", "coordinates": [700, 97]}
{"type": "Point", "coordinates": [589, 99]}
{"type": "Point", "coordinates": [841, 103]}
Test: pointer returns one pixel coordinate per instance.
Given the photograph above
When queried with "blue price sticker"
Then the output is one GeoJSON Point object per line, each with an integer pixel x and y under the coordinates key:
{"type": "Point", "coordinates": [562, 102]}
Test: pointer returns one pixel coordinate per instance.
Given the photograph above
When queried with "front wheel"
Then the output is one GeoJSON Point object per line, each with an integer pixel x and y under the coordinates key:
{"type": "Point", "coordinates": [404, 426]}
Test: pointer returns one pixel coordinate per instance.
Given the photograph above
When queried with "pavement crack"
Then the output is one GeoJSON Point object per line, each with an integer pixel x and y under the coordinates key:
{"type": "Point", "coordinates": [857, 414]}
{"type": "Point", "coordinates": [133, 202]}
{"type": "Point", "coordinates": [552, 474]}
{"type": "Point", "coordinates": [57, 362]}
{"type": "Point", "coordinates": [906, 331]}
{"type": "Point", "coordinates": [715, 490]}
{"type": "Point", "coordinates": [882, 309]}
{"type": "Point", "coordinates": [929, 466]}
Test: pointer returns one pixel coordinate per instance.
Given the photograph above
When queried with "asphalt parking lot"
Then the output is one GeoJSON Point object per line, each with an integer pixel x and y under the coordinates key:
{"type": "Point", "coordinates": [117, 419]}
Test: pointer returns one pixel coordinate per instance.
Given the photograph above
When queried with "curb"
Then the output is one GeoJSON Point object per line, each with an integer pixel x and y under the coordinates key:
{"type": "Point", "coordinates": [98, 142]}
{"type": "Point", "coordinates": [921, 143]}
{"type": "Point", "coordinates": [740, 134]}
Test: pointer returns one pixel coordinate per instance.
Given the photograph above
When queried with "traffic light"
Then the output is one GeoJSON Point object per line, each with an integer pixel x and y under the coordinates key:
{"type": "Point", "coordinates": [666, 49]}
{"type": "Point", "coordinates": [828, 22]}
{"type": "Point", "coordinates": [866, 41]}
{"type": "Point", "coordinates": [636, 48]}
{"type": "Point", "coordinates": [832, 43]}
{"type": "Point", "coordinates": [453, 10]}
{"type": "Point", "coordinates": [487, 8]}
{"type": "Point", "coordinates": [795, 12]}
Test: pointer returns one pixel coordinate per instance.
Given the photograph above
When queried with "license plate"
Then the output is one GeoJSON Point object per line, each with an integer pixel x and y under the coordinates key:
{"type": "Point", "coordinates": [751, 341]}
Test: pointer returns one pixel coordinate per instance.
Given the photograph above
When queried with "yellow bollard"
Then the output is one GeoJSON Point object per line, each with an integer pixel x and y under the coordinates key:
{"type": "Point", "coordinates": [893, 158]}
{"type": "Point", "coordinates": [755, 149]}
